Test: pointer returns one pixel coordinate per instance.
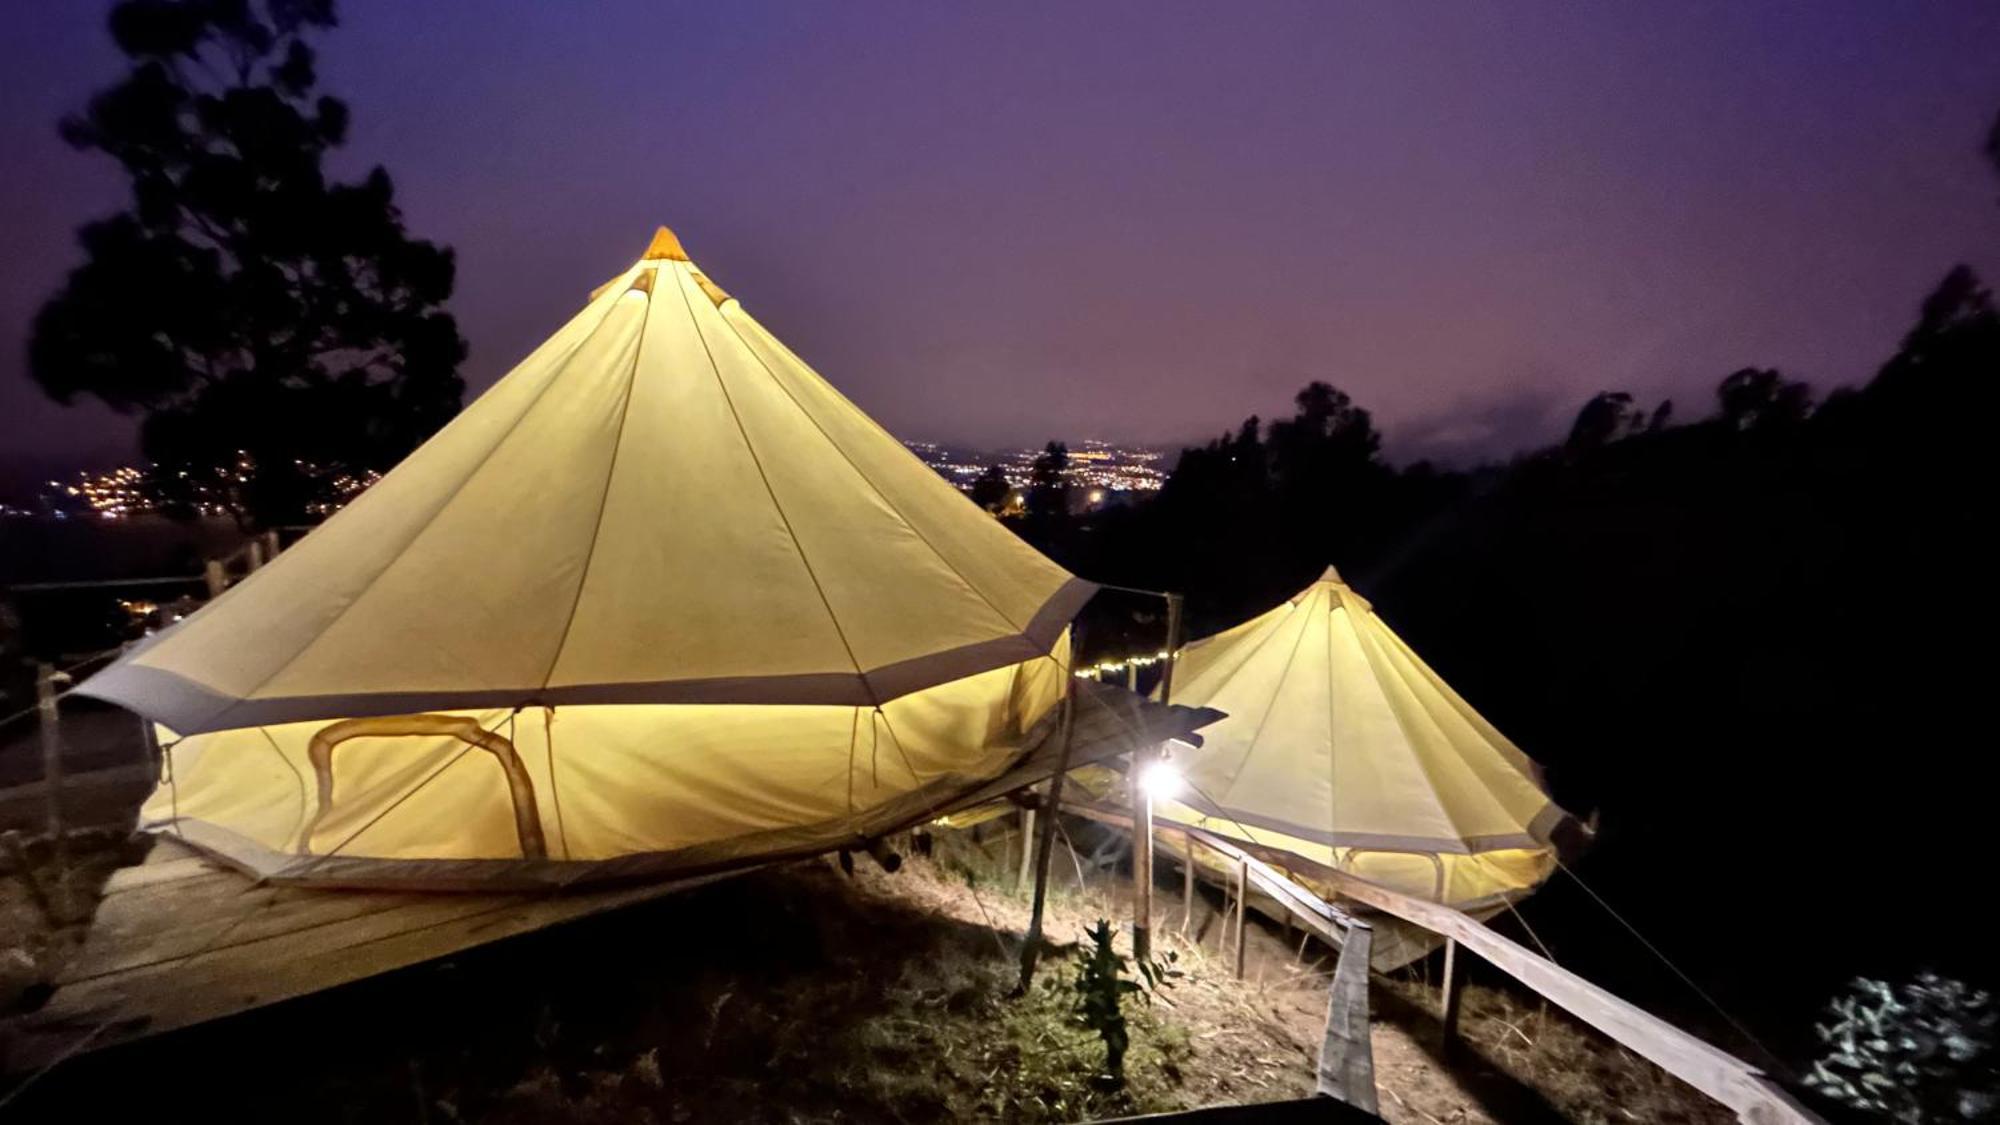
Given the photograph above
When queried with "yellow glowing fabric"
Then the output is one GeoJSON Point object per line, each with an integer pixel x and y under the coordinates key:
{"type": "Point", "coordinates": [1346, 750]}
{"type": "Point", "coordinates": [754, 613]}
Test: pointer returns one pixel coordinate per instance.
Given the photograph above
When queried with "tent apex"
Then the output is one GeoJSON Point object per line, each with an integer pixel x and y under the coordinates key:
{"type": "Point", "coordinates": [1332, 575]}
{"type": "Point", "coordinates": [664, 247]}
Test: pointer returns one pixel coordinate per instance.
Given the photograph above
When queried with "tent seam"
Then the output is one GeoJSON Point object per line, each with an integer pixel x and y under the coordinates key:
{"type": "Point", "coordinates": [604, 499]}
{"type": "Point", "coordinates": [869, 481]}
{"type": "Point", "coordinates": [1277, 689]}
{"type": "Point", "coordinates": [554, 378]}
{"type": "Point", "coordinates": [777, 506]}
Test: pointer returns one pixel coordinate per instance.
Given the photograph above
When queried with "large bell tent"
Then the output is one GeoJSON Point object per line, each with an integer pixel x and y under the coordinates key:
{"type": "Point", "coordinates": [660, 599]}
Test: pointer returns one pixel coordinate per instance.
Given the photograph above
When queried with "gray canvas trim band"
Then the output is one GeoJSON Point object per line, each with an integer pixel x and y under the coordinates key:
{"type": "Point", "coordinates": [1124, 720]}
{"type": "Point", "coordinates": [1373, 841]}
{"type": "Point", "coordinates": [191, 708]}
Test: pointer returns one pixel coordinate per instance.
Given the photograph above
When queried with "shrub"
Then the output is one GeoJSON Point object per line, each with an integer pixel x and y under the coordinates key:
{"type": "Point", "coordinates": [1919, 1052]}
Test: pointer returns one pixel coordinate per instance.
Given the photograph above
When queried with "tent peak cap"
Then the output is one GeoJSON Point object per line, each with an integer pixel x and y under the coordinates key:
{"type": "Point", "coordinates": [1333, 576]}
{"type": "Point", "coordinates": [665, 247]}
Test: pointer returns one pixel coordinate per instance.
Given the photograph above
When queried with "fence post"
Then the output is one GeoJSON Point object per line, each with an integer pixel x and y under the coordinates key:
{"type": "Point", "coordinates": [215, 578]}
{"type": "Point", "coordinates": [1142, 857]}
{"type": "Point", "coordinates": [271, 545]}
{"type": "Point", "coordinates": [46, 679]}
{"type": "Point", "coordinates": [1187, 884]}
{"type": "Point", "coordinates": [1454, 989]}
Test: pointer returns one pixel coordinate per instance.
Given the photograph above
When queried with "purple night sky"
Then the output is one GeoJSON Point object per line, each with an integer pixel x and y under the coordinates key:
{"type": "Point", "coordinates": [1141, 221]}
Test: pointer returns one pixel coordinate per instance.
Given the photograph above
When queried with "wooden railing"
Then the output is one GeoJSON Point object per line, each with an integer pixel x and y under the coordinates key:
{"type": "Point", "coordinates": [1744, 1089]}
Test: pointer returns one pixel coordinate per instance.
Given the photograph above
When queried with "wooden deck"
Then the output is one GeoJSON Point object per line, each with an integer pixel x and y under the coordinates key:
{"type": "Point", "coordinates": [179, 940]}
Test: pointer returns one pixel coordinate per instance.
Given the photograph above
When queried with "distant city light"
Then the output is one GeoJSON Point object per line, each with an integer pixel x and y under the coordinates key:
{"type": "Point", "coordinates": [1099, 467]}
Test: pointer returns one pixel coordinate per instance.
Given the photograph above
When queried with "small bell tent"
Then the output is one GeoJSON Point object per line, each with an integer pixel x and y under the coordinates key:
{"type": "Point", "coordinates": [1342, 749]}
{"type": "Point", "coordinates": [661, 599]}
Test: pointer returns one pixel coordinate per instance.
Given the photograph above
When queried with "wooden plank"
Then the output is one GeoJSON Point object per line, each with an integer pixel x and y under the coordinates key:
{"type": "Point", "coordinates": [127, 879]}
{"type": "Point", "coordinates": [225, 980]}
{"type": "Point", "coordinates": [1736, 1084]}
{"type": "Point", "coordinates": [1321, 917]}
{"type": "Point", "coordinates": [1347, 1057]}
{"type": "Point", "coordinates": [1304, 1111]}
{"type": "Point", "coordinates": [254, 915]}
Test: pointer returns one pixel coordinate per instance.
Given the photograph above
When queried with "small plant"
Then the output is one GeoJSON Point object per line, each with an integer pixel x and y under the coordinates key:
{"type": "Point", "coordinates": [1917, 1053]}
{"type": "Point", "coordinates": [1101, 988]}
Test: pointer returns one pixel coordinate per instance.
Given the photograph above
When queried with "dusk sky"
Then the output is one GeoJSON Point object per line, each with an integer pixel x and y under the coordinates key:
{"type": "Point", "coordinates": [995, 225]}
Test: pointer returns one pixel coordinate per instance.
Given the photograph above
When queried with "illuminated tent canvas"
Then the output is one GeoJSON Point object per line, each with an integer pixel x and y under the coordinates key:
{"type": "Point", "coordinates": [1342, 749]}
{"type": "Point", "coordinates": [659, 599]}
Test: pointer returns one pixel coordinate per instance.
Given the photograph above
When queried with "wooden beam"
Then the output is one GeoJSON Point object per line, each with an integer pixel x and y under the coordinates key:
{"type": "Point", "coordinates": [1729, 1080]}
{"type": "Point", "coordinates": [1142, 857]}
{"type": "Point", "coordinates": [1347, 1058]}
{"type": "Point", "coordinates": [1031, 945]}
{"type": "Point", "coordinates": [1242, 896]}
{"type": "Point", "coordinates": [1316, 914]}
{"type": "Point", "coordinates": [1187, 885]}
{"type": "Point", "coordinates": [1745, 1089]}
{"type": "Point", "coordinates": [47, 717]}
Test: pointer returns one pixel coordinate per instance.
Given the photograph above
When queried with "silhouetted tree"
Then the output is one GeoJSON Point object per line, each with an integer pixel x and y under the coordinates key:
{"type": "Point", "coordinates": [1754, 398]}
{"type": "Point", "coordinates": [276, 328]}
{"type": "Point", "coordinates": [990, 489]}
{"type": "Point", "coordinates": [1993, 143]}
{"type": "Point", "coordinates": [1048, 486]}
{"type": "Point", "coordinates": [1607, 417]}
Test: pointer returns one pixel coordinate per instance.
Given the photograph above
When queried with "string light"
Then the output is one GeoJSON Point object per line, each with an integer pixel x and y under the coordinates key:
{"type": "Point", "coordinates": [1097, 671]}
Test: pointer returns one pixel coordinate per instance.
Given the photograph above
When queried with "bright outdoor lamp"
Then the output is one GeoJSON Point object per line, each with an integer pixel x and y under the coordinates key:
{"type": "Point", "coordinates": [1159, 780]}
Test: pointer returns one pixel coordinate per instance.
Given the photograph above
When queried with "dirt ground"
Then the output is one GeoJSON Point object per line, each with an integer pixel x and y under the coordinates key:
{"type": "Point", "coordinates": [802, 994]}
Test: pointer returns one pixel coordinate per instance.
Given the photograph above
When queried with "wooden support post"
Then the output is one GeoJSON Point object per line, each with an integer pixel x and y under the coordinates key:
{"type": "Point", "coordinates": [271, 545]}
{"type": "Point", "coordinates": [1346, 1058]}
{"type": "Point", "coordinates": [1031, 945]}
{"type": "Point", "coordinates": [1187, 884]}
{"type": "Point", "coordinates": [215, 578]}
{"type": "Point", "coordinates": [1027, 849]}
{"type": "Point", "coordinates": [1242, 893]}
{"type": "Point", "coordinates": [47, 718]}
{"type": "Point", "coordinates": [253, 555]}
{"type": "Point", "coordinates": [1454, 991]}
{"type": "Point", "coordinates": [1142, 857]}
{"type": "Point", "coordinates": [1142, 801]}
{"type": "Point", "coordinates": [884, 856]}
